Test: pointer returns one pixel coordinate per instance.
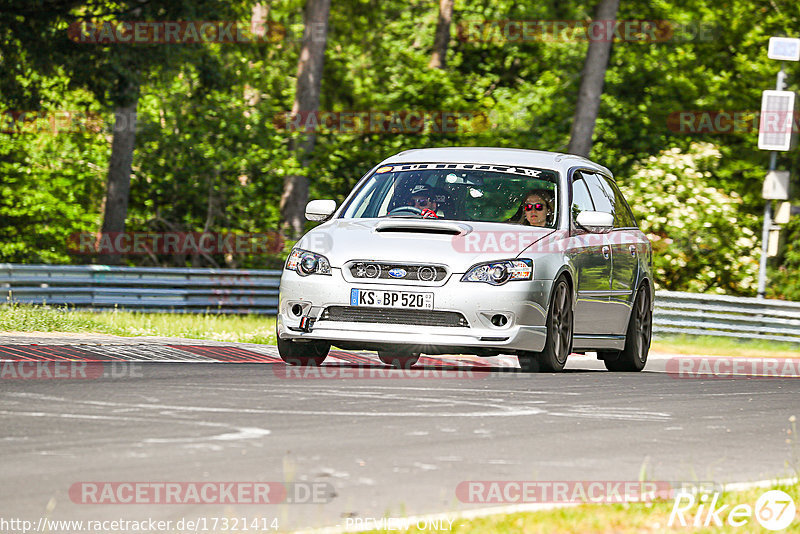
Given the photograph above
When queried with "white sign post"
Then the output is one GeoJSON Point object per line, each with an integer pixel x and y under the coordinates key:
{"type": "Point", "coordinates": [775, 133]}
{"type": "Point", "coordinates": [777, 119]}
{"type": "Point", "coordinates": [784, 49]}
{"type": "Point", "coordinates": [776, 186]}
{"type": "Point", "coordinates": [784, 213]}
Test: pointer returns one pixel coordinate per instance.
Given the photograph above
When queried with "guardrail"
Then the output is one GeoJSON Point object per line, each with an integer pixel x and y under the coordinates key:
{"type": "Point", "coordinates": [239, 291]}
{"type": "Point", "coordinates": [722, 315]}
{"type": "Point", "coordinates": [101, 287]}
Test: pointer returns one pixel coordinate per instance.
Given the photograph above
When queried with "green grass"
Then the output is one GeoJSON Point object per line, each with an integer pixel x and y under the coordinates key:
{"type": "Point", "coordinates": [724, 346]}
{"type": "Point", "coordinates": [234, 328]}
{"type": "Point", "coordinates": [622, 518]}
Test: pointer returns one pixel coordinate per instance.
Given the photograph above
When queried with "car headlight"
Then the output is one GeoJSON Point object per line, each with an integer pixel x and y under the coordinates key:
{"type": "Point", "coordinates": [306, 263]}
{"type": "Point", "coordinates": [499, 272]}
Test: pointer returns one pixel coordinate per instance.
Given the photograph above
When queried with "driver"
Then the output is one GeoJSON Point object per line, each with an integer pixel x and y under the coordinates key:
{"type": "Point", "coordinates": [424, 200]}
{"type": "Point", "coordinates": [421, 199]}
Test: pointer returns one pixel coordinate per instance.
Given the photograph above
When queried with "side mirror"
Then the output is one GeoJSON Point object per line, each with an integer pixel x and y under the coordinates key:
{"type": "Point", "coordinates": [319, 210]}
{"type": "Point", "coordinates": [595, 222]}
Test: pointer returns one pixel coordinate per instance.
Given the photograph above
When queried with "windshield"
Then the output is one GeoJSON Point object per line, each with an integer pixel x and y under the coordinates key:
{"type": "Point", "coordinates": [465, 192]}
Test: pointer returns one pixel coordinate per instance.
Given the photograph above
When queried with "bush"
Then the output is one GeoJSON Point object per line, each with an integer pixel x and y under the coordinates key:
{"type": "Point", "coordinates": [782, 281]}
{"type": "Point", "coordinates": [702, 240]}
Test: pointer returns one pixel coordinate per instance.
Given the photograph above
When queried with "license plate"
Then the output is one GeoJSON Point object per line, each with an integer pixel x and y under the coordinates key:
{"type": "Point", "coordinates": [391, 299]}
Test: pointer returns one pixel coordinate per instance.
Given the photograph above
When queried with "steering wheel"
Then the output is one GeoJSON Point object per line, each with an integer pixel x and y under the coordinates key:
{"type": "Point", "coordinates": [405, 209]}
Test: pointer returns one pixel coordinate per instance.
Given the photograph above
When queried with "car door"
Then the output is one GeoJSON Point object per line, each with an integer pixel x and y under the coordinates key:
{"type": "Point", "coordinates": [591, 258]}
{"type": "Point", "coordinates": [624, 251]}
{"type": "Point", "coordinates": [634, 243]}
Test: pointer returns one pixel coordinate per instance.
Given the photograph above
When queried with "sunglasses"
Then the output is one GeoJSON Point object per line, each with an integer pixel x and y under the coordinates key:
{"type": "Point", "coordinates": [538, 207]}
{"type": "Point", "coordinates": [424, 202]}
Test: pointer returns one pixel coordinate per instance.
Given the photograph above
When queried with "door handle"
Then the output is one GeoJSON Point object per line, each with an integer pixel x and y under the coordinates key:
{"type": "Point", "coordinates": [632, 248]}
{"type": "Point", "coordinates": [606, 251]}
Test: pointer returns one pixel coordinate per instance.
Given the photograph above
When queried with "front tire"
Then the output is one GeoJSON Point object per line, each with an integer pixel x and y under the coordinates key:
{"type": "Point", "coordinates": [558, 344]}
{"type": "Point", "coordinates": [305, 354]}
{"type": "Point", "coordinates": [398, 359]}
{"type": "Point", "coordinates": [633, 357]}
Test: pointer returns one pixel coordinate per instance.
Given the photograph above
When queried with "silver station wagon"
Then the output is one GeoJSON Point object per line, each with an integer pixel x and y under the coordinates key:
{"type": "Point", "coordinates": [481, 251]}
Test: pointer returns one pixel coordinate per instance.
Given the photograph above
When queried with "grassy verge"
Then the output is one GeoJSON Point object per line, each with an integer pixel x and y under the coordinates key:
{"type": "Point", "coordinates": [234, 328]}
{"type": "Point", "coordinates": [626, 518]}
{"type": "Point", "coordinates": [723, 346]}
{"type": "Point", "coordinates": [260, 329]}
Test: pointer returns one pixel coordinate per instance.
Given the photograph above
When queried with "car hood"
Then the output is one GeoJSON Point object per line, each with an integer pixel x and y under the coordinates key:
{"type": "Point", "coordinates": [458, 244]}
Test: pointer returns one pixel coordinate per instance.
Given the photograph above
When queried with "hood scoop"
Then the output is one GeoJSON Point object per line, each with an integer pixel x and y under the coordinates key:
{"type": "Point", "coordinates": [421, 226]}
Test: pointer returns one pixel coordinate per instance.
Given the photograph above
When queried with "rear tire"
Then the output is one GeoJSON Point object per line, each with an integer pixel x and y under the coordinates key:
{"type": "Point", "coordinates": [398, 359]}
{"type": "Point", "coordinates": [633, 357]}
{"type": "Point", "coordinates": [558, 344]}
{"type": "Point", "coordinates": [305, 354]}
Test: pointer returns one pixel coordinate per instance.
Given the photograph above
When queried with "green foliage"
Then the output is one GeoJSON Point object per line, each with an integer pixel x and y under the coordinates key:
{"type": "Point", "coordinates": [783, 279]}
{"type": "Point", "coordinates": [51, 182]}
{"type": "Point", "coordinates": [208, 160]}
{"type": "Point", "coordinates": [702, 240]}
{"type": "Point", "coordinates": [211, 156]}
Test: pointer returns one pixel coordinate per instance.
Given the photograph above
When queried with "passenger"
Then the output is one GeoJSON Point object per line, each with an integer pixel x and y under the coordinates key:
{"type": "Point", "coordinates": [536, 209]}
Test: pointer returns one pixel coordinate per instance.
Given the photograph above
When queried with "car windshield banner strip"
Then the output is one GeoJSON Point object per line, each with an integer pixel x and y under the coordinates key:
{"type": "Point", "coordinates": [521, 171]}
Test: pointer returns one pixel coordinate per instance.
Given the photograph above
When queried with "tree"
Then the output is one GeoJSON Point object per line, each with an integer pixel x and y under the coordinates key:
{"type": "Point", "coordinates": [119, 167]}
{"type": "Point", "coordinates": [594, 73]}
{"type": "Point", "coordinates": [440, 43]}
{"type": "Point", "coordinates": [306, 101]}
{"type": "Point", "coordinates": [127, 64]}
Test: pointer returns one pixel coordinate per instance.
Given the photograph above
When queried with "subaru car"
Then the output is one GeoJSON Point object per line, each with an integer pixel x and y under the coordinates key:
{"type": "Point", "coordinates": [481, 251]}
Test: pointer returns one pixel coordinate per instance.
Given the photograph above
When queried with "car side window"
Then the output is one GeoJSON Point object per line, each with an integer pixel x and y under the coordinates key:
{"type": "Point", "coordinates": [581, 200]}
{"type": "Point", "coordinates": [623, 217]}
{"type": "Point", "coordinates": [602, 194]}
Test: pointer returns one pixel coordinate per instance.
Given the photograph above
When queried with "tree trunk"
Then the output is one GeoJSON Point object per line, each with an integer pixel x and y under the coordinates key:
{"type": "Point", "coordinates": [442, 40]}
{"type": "Point", "coordinates": [119, 173]}
{"type": "Point", "coordinates": [306, 100]}
{"type": "Point", "coordinates": [594, 73]}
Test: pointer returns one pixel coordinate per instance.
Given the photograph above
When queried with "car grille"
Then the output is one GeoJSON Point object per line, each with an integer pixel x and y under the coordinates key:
{"type": "Point", "coordinates": [365, 270]}
{"type": "Point", "coordinates": [355, 314]}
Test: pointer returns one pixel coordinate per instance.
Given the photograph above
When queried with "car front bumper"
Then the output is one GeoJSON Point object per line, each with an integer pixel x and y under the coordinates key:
{"type": "Point", "coordinates": [522, 303]}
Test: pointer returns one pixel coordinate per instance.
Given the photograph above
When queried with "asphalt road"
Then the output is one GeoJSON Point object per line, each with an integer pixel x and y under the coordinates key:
{"type": "Point", "coordinates": [385, 445]}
